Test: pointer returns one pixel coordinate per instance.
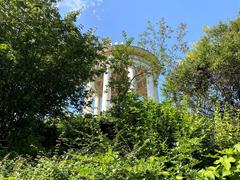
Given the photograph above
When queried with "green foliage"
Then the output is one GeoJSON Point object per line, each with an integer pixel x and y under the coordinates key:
{"type": "Point", "coordinates": [119, 63]}
{"type": "Point", "coordinates": [195, 136]}
{"type": "Point", "coordinates": [135, 132]}
{"type": "Point", "coordinates": [167, 44]}
{"type": "Point", "coordinates": [223, 130]}
{"type": "Point", "coordinates": [44, 63]}
{"type": "Point", "coordinates": [210, 72]}
{"type": "Point", "coordinates": [77, 166]}
{"type": "Point", "coordinates": [148, 140]}
{"type": "Point", "coordinates": [27, 140]}
{"type": "Point", "coordinates": [80, 133]}
{"type": "Point", "coordinates": [142, 129]}
{"type": "Point", "coordinates": [227, 166]}
{"type": "Point", "coordinates": [32, 138]}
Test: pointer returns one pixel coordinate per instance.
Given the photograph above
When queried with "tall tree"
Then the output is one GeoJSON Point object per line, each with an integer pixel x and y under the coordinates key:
{"type": "Point", "coordinates": [165, 42]}
{"type": "Point", "coordinates": [210, 71]}
{"type": "Point", "coordinates": [120, 83]}
{"type": "Point", "coordinates": [44, 62]}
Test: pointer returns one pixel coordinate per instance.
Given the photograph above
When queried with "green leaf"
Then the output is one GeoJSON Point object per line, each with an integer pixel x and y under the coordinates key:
{"type": "Point", "coordinates": [179, 177]}
{"type": "Point", "coordinates": [226, 173]}
{"type": "Point", "coordinates": [237, 147]}
{"type": "Point", "coordinates": [225, 161]}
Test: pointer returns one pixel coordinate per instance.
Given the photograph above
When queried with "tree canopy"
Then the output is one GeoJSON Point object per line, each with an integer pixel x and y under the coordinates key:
{"type": "Point", "coordinates": [44, 61]}
{"type": "Point", "coordinates": [210, 72]}
{"type": "Point", "coordinates": [165, 42]}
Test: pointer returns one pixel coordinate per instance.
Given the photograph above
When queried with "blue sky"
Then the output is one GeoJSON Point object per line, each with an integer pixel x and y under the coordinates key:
{"type": "Point", "coordinates": [111, 17]}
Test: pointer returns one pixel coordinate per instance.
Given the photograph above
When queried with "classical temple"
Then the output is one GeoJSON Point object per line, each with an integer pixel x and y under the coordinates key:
{"type": "Point", "coordinates": [143, 75]}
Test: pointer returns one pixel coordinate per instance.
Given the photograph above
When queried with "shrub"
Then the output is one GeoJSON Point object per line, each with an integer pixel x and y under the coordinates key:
{"type": "Point", "coordinates": [74, 165]}
{"type": "Point", "coordinates": [80, 133]}
{"type": "Point", "coordinates": [227, 166]}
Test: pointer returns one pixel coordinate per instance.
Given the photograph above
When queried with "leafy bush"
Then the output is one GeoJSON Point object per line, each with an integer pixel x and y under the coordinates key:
{"type": "Point", "coordinates": [77, 166]}
{"type": "Point", "coordinates": [227, 166]}
{"type": "Point", "coordinates": [33, 138]}
{"type": "Point", "coordinates": [46, 46]}
{"type": "Point", "coordinates": [80, 133]}
{"type": "Point", "coordinates": [144, 128]}
{"type": "Point", "coordinates": [144, 131]}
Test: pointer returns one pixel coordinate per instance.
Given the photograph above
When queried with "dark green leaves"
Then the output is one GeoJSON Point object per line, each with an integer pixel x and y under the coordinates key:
{"type": "Point", "coordinates": [210, 71]}
{"type": "Point", "coordinates": [45, 62]}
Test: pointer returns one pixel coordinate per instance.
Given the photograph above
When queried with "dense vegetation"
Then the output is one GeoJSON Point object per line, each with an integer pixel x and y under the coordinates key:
{"type": "Point", "coordinates": [45, 62]}
{"type": "Point", "coordinates": [148, 140]}
{"type": "Point", "coordinates": [210, 72]}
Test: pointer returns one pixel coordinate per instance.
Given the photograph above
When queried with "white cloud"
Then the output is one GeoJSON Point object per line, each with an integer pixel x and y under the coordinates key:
{"type": "Point", "coordinates": [95, 13]}
{"type": "Point", "coordinates": [70, 5]}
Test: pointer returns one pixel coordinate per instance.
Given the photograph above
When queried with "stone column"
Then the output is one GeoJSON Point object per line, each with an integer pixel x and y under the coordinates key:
{"type": "Point", "coordinates": [131, 77]}
{"type": "Point", "coordinates": [96, 104]}
{"type": "Point", "coordinates": [156, 90]}
{"type": "Point", "coordinates": [150, 86]}
{"type": "Point", "coordinates": [88, 107]}
{"type": "Point", "coordinates": [106, 96]}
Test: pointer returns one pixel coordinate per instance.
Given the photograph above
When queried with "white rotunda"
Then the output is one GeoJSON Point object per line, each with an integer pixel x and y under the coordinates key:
{"type": "Point", "coordinates": [143, 75]}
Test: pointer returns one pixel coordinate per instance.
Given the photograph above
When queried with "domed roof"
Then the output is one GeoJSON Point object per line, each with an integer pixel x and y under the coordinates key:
{"type": "Point", "coordinates": [143, 55]}
{"type": "Point", "coordinates": [146, 57]}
